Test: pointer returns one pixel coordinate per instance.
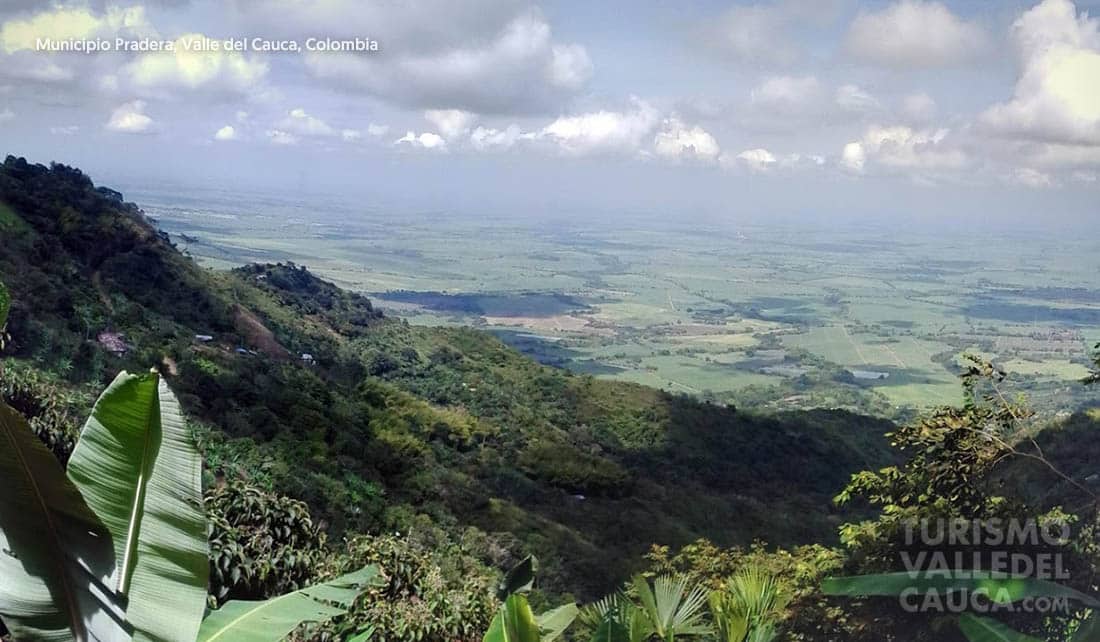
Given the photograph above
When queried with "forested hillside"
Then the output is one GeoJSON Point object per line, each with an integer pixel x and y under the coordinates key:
{"type": "Point", "coordinates": [337, 443]}
{"type": "Point", "coordinates": [303, 389]}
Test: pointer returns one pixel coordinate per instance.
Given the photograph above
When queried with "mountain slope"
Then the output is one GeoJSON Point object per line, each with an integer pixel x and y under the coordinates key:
{"type": "Point", "coordinates": [308, 389]}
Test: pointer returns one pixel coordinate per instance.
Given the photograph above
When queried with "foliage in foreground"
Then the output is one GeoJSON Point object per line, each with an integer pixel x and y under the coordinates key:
{"type": "Point", "coordinates": [387, 415]}
{"type": "Point", "coordinates": [115, 547]}
{"type": "Point", "coordinates": [431, 590]}
{"type": "Point", "coordinates": [746, 608]}
{"type": "Point", "coordinates": [261, 544]}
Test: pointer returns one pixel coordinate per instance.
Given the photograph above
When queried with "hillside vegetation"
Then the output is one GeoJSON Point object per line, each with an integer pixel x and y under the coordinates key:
{"type": "Point", "coordinates": [304, 389]}
{"type": "Point", "coordinates": [381, 477]}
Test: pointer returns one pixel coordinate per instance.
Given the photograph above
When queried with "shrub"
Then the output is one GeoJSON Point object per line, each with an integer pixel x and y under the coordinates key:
{"type": "Point", "coordinates": [53, 413]}
{"type": "Point", "coordinates": [261, 544]}
{"type": "Point", "coordinates": [429, 594]}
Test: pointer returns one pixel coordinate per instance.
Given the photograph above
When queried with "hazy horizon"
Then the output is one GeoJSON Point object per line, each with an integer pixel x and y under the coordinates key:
{"type": "Point", "coordinates": [907, 111]}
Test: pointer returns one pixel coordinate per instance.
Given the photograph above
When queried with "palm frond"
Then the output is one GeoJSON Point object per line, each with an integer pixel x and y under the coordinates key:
{"type": "Point", "coordinates": [674, 609]}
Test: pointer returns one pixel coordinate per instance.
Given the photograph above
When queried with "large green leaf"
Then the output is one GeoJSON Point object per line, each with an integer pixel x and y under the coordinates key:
{"type": "Point", "coordinates": [553, 623]}
{"type": "Point", "coordinates": [983, 629]}
{"type": "Point", "coordinates": [137, 467]}
{"type": "Point", "coordinates": [519, 579]}
{"type": "Point", "coordinates": [274, 619]}
{"type": "Point", "coordinates": [999, 588]}
{"type": "Point", "coordinates": [673, 607]}
{"type": "Point", "coordinates": [514, 622]}
{"type": "Point", "coordinates": [55, 554]}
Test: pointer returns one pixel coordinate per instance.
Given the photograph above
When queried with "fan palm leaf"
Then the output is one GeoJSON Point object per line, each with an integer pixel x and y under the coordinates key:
{"type": "Point", "coordinates": [673, 609]}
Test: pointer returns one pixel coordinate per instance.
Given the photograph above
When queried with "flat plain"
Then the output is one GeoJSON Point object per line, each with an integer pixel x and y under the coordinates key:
{"type": "Point", "coordinates": [741, 313]}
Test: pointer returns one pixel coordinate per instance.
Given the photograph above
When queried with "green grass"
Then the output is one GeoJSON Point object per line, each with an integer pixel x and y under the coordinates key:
{"type": "Point", "coordinates": [682, 374]}
{"type": "Point", "coordinates": [1056, 368]}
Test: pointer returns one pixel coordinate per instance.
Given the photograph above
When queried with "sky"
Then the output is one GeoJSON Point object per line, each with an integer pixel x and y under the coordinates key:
{"type": "Point", "coordinates": [828, 110]}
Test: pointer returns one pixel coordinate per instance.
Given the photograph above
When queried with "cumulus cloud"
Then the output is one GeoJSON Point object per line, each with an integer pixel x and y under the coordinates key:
{"type": "Point", "coordinates": [914, 34]}
{"type": "Point", "coordinates": [1057, 97]}
{"type": "Point", "coordinates": [854, 157]}
{"type": "Point", "coordinates": [603, 131]}
{"type": "Point", "coordinates": [70, 23]}
{"type": "Point", "coordinates": [760, 160]}
{"type": "Point", "coordinates": [351, 135]}
{"type": "Point", "coordinates": [374, 129]}
{"type": "Point", "coordinates": [6, 114]}
{"type": "Point", "coordinates": [226, 133]}
{"type": "Point", "coordinates": [487, 139]}
{"type": "Point", "coordinates": [678, 141]}
{"type": "Point", "coordinates": [300, 123]}
{"type": "Point", "coordinates": [19, 37]}
{"type": "Point", "coordinates": [901, 148]}
{"type": "Point", "coordinates": [426, 140]}
{"type": "Point", "coordinates": [493, 56]}
{"type": "Point", "coordinates": [194, 65]}
{"type": "Point", "coordinates": [280, 137]}
{"type": "Point", "coordinates": [130, 118]}
{"type": "Point", "coordinates": [570, 67]}
{"type": "Point", "coordinates": [640, 131]}
{"type": "Point", "coordinates": [450, 122]}
{"type": "Point", "coordinates": [783, 102]}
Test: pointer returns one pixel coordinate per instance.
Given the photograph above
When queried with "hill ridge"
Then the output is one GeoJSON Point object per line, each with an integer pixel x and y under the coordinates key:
{"type": "Point", "coordinates": [386, 423]}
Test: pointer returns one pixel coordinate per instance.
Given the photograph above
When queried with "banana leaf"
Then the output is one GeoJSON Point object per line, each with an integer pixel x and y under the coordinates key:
{"type": "Point", "coordinates": [999, 588]}
{"type": "Point", "coordinates": [552, 624]}
{"type": "Point", "coordinates": [137, 467]}
{"type": "Point", "coordinates": [274, 619]}
{"type": "Point", "coordinates": [519, 579]}
{"type": "Point", "coordinates": [514, 622]}
{"type": "Point", "coordinates": [56, 554]}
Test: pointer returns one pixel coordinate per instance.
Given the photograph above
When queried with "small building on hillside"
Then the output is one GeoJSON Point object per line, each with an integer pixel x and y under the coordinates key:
{"type": "Point", "coordinates": [113, 342]}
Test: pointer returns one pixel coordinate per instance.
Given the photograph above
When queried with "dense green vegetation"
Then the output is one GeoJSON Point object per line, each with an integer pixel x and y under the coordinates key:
{"type": "Point", "coordinates": [322, 438]}
{"type": "Point", "coordinates": [385, 425]}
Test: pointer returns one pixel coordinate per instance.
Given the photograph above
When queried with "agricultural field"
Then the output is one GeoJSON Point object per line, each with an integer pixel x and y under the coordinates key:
{"type": "Point", "coordinates": [738, 313]}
